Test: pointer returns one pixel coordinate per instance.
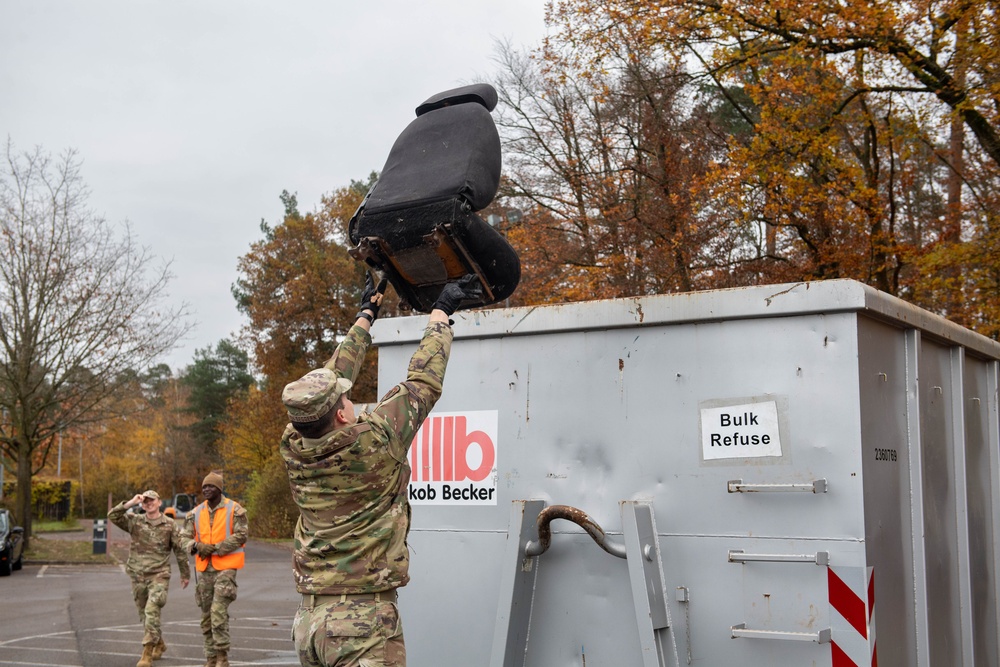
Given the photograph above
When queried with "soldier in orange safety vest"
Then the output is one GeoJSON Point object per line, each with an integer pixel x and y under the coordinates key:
{"type": "Point", "coordinates": [215, 532]}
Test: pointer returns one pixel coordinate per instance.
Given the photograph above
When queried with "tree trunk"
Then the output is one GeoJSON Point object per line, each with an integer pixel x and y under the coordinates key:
{"type": "Point", "coordinates": [23, 500]}
{"type": "Point", "coordinates": [956, 148]}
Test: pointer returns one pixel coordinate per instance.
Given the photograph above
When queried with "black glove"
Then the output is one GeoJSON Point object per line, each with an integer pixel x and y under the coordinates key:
{"type": "Point", "coordinates": [454, 293]}
{"type": "Point", "coordinates": [370, 291]}
{"type": "Point", "coordinates": [205, 550]}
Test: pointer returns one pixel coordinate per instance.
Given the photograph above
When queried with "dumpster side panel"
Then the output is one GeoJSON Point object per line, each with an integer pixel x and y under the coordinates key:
{"type": "Point", "coordinates": [886, 465]}
{"type": "Point", "coordinates": [455, 579]}
{"type": "Point", "coordinates": [709, 596]}
{"type": "Point", "coordinates": [941, 500]}
{"type": "Point", "coordinates": [981, 455]}
{"type": "Point", "coordinates": [592, 418]}
{"type": "Point", "coordinates": [867, 519]}
{"type": "Point", "coordinates": [598, 417]}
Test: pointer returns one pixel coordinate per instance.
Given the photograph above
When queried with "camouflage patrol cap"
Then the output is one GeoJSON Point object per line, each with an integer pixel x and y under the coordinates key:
{"type": "Point", "coordinates": [312, 395]}
{"type": "Point", "coordinates": [151, 494]}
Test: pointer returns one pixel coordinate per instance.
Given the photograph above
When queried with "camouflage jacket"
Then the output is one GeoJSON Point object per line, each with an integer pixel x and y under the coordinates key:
{"type": "Point", "coordinates": [350, 485]}
{"type": "Point", "coordinates": [152, 542]}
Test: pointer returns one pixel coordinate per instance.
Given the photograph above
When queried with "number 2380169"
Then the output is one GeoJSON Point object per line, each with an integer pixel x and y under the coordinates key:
{"type": "Point", "coordinates": [885, 454]}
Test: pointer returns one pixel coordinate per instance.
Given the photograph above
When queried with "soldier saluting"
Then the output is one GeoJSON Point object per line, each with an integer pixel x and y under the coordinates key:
{"type": "Point", "coordinates": [153, 537]}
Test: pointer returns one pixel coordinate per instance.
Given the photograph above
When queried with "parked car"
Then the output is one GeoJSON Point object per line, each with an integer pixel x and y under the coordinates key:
{"type": "Point", "coordinates": [11, 544]}
{"type": "Point", "coordinates": [183, 503]}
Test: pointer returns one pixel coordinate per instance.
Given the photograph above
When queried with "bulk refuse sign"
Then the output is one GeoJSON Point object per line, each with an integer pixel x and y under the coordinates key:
{"type": "Point", "coordinates": [740, 431]}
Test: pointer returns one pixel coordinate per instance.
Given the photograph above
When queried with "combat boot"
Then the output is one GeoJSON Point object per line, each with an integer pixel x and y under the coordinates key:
{"type": "Point", "coordinates": [159, 649]}
{"type": "Point", "coordinates": [147, 656]}
{"type": "Point", "coordinates": [222, 659]}
{"type": "Point", "coordinates": [210, 661]}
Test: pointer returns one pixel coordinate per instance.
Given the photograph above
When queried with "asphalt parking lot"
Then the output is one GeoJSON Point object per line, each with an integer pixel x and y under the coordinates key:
{"type": "Point", "coordinates": [83, 616]}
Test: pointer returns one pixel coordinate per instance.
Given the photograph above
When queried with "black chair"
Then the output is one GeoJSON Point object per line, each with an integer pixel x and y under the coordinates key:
{"type": "Point", "coordinates": [418, 223]}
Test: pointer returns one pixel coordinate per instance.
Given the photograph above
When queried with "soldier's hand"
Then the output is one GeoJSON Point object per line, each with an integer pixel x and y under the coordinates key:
{"type": "Point", "coordinates": [371, 298]}
{"type": "Point", "coordinates": [466, 288]}
{"type": "Point", "coordinates": [185, 582]}
{"type": "Point", "coordinates": [136, 499]}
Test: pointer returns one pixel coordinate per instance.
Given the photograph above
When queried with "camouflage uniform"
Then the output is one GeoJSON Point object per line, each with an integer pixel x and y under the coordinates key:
{"type": "Point", "coordinates": [350, 486]}
{"type": "Point", "coordinates": [216, 589]}
{"type": "Point", "coordinates": [148, 564]}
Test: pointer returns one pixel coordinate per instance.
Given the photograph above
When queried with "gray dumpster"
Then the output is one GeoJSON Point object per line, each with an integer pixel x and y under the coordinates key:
{"type": "Point", "coordinates": [100, 536]}
{"type": "Point", "coordinates": [802, 474]}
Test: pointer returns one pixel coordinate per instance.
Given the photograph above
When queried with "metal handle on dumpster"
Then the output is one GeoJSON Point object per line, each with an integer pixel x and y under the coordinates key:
{"type": "Point", "coordinates": [641, 551]}
{"type": "Point", "coordinates": [821, 637]}
{"type": "Point", "coordinates": [740, 556]}
{"type": "Point", "coordinates": [577, 516]}
{"type": "Point", "coordinates": [737, 486]}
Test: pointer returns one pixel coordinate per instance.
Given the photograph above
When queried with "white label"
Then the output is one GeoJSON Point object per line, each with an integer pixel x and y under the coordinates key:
{"type": "Point", "coordinates": [453, 459]}
{"type": "Point", "coordinates": [740, 431]}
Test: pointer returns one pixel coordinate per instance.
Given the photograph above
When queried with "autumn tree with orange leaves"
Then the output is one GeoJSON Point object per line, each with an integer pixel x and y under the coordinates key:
{"type": "Point", "coordinates": [248, 445]}
{"type": "Point", "coordinates": [822, 141]}
{"type": "Point", "coordinates": [299, 289]}
{"type": "Point", "coordinates": [675, 145]}
{"type": "Point", "coordinates": [151, 446]}
{"type": "Point", "coordinates": [604, 164]}
{"type": "Point", "coordinates": [947, 51]}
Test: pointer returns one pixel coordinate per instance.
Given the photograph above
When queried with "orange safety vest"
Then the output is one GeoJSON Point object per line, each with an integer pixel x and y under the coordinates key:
{"type": "Point", "coordinates": [214, 532]}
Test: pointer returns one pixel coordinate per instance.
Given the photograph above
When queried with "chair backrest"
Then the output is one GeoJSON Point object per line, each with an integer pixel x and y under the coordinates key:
{"type": "Point", "coordinates": [452, 149]}
{"type": "Point", "coordinates": [418, 223]}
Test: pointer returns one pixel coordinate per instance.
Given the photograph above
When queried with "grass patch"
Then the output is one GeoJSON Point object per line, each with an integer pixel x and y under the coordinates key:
{"type": "Point", "coordinates": [278, 542]}
{"type": "Point", "coordinates": [56, 526]}
{"type": "Point", "coordinates": [44, 550]}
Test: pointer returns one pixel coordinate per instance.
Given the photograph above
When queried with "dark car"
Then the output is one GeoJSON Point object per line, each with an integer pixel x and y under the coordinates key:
{"type": "Point", "coordinates": [11, 544]}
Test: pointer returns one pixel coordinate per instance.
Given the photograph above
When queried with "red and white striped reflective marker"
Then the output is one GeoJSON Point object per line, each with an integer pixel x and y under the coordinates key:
{"type": "Point", "coordinates": [852, 624]}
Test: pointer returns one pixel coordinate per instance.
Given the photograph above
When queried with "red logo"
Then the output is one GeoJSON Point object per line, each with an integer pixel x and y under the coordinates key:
{"type": "Point", "coordinates": [444, 450]}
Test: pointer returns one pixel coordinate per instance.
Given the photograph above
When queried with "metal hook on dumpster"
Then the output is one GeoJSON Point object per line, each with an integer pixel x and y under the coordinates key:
{"type": "Point", "coordinates": [577, 516]}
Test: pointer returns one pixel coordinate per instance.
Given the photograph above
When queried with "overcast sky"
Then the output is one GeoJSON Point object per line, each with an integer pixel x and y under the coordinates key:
{"type": "Point", "coordinates": [190, 118]}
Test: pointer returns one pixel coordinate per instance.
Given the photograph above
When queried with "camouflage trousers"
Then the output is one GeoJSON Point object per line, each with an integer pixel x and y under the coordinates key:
{"type": "Point", "coordinates": [349, 633]}
{"type": "Point", "coordinates": [216, 590]}
{"type": "Point", "coordinates": [150, 594]}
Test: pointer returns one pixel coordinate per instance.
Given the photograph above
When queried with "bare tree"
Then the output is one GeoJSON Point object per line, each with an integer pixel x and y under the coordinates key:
{"type": "Point", "coordinates": [604, 164]}
{"type": "Point", "coordinates": [80, 310]}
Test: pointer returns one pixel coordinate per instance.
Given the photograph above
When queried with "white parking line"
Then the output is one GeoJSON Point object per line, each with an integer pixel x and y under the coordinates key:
{"type": "Point", "coordinates": [64, 571]}
{"type": "Point", "coordinates": [265, 629]}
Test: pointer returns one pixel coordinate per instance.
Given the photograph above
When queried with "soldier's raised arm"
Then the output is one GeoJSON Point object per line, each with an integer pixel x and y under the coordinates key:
{"type": "Point", "coordinates": [118, 514]}
{"type": "Point", "coordinates": [404, 407]}
{"type": "Point", "coordinates": [347, 359]}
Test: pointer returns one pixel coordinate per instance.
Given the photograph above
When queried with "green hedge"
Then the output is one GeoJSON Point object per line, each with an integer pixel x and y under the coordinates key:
{"type": "Point", "coordinates": [53, 499]}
